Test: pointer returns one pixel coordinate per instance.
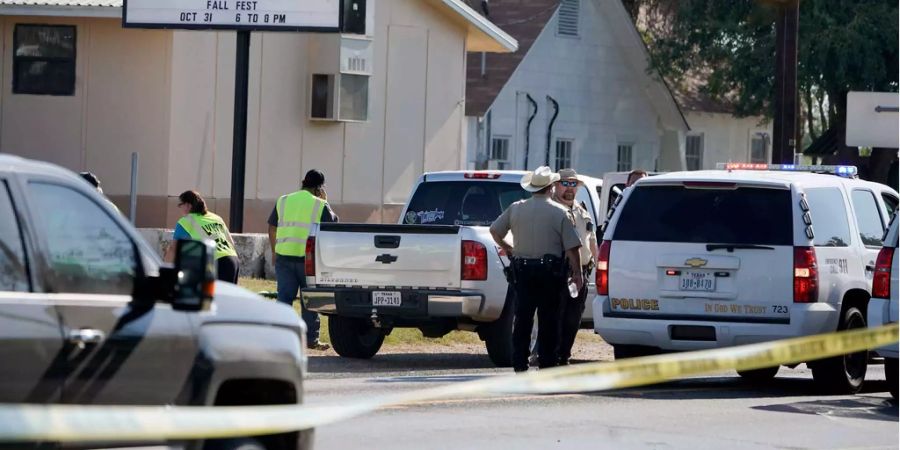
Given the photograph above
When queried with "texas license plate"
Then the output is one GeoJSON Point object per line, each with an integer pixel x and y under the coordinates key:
{"type": "Point", "coordinates": [698, 281]}
{"type": "Point", "coordinates": [386, 298]}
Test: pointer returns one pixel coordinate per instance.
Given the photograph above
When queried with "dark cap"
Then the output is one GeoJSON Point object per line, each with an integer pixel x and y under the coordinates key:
{"type": "Point", "coordinates": [313, 179]}
{"type": "Point", "coordinates": [90, 178]}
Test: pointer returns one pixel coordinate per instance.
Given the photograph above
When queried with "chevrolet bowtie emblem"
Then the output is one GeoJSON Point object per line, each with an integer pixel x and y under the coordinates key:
{"type": "Point", "coordinates": [695, 262]}
{"type": "Point", "coordinates": [386, 258]}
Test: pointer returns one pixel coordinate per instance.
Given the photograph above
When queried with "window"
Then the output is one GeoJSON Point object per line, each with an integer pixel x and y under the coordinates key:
{"type": "Point", "coordinates": [829, 217]}
{"type": "Point", "coordinates": [868, 219]}
{"type": "Point", "coordinates": [563, 153]}
{"type": "Point", "coordinates": [88, 252]}
{"type": "Point", "coordinates": [354, 97]}
{"type": "Point", "coordinates": [693, 152]}
{"type": "Point", "coordinates": [759, 148]}
{"type": "Point", "coordinates": [13, 271]}
{"type": "Point", "coordinates": [44, 60]}
{"type": "Point", "coordinates": [499, 158]}
{"type": "Point", "coordinates": [706, 215]}
{"type": "Point", "coordinates": [890, 202]}
{"type": "Point", "coordinates": [623, 161]}
{"type": "Point", "coordinates": [474, 203]}
{"type": "Point", "coordinates": [568, 17]}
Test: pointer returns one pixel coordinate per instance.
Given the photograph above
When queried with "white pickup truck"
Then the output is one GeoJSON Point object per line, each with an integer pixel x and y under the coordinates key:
{"type": "Point", "coordinates": [438, 270]}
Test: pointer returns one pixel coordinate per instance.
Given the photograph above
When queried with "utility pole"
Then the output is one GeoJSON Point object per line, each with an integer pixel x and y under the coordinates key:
{"type": "Point", "coordinates": [785, 139]}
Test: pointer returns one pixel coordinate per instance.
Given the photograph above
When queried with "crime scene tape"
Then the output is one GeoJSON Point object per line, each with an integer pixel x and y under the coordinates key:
{"type": "Point", "coordinates": [95, 423]}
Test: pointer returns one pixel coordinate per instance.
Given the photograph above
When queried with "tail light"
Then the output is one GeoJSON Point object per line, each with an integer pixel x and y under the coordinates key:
{"type": "Point", "coordinates": [602, 273]}
{"type": "Point", "coordinates": [309, 262]}
{"type": "Point", "coordinates": [474, 261]}
{"type": "Point", "coordinates": [881, 283]}
{"type": "Point", "coordinates": [806, 275]}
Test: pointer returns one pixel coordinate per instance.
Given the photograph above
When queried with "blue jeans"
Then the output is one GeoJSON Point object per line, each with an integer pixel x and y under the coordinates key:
{"type": "Point", "coordinates": [290, 276]}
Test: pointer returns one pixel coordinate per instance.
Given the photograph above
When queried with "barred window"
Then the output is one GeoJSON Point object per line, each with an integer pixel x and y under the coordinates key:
{"type": "Point", "coordinates": [563, 153]}
{"type": "Point", "coordinates": [623, 159]}
{"type": "Point", "coordinates": [693, 152]}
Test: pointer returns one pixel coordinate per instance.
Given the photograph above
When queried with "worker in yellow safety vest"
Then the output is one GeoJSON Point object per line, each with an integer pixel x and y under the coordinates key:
{"type": "Point", "coordinates": [289, 226]}
{"type": "Point", "coordinates": [198, 223]}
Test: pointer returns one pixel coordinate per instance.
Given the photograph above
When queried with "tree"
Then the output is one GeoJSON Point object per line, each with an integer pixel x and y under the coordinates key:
{"type": "Point", "coordinates": [844, 45]}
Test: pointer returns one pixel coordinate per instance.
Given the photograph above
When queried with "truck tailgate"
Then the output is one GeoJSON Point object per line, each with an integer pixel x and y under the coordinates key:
{"type": "Point", "coordinates": [388, 255]}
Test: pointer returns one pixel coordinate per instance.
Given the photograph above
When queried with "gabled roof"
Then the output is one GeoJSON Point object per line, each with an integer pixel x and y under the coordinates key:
{"type": "Point", "coordinates": [526, 20]}
{"type": "Point", "coordinates": [481, 36]}
{"type": "Point", "coordinates": [523, 20]}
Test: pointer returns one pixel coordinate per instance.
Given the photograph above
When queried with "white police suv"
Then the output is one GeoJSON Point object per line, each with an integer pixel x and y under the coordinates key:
{"type": "Point", "coordinates": [883, 305]}
{"type": "Point", "coordinates": [751, 253]}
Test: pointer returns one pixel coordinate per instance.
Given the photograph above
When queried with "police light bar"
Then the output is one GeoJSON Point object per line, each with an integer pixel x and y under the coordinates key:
{"type": "Point", "coordinates": [844, 171]}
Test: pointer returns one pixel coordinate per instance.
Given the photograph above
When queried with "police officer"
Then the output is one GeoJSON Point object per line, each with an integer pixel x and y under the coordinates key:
{"type": "Point", "coordinates": [199, 223]}
{"type": "Point", "coordinates": [571, 309]}
{"type": "Point", "coordinates": [543, 233]}
{"type": "Point", "coordinates": [289, 226]}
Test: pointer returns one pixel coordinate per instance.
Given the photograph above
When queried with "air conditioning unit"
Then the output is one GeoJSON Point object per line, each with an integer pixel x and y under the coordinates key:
{"type": "Point", "coordinates": [341, 67]}
{"type": "Point", "coordinates": [497, 164]}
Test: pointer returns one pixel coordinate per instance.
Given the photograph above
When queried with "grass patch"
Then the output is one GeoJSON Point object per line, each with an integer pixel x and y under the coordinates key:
{"type": "Point", "coordinates": [399, 336]}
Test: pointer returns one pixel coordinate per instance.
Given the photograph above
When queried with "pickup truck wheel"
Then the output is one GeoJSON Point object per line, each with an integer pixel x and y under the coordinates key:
{"type": "Point", "coordinates": [890, 374]}
{"type": "Point", "coordinates": [234, 444]}
{"type": "Point", "coordinates": [354, 338]}
{"type": "Point", "coordinates": [843, 374]}
{"type": "Point", "coordinates": [498, 339]}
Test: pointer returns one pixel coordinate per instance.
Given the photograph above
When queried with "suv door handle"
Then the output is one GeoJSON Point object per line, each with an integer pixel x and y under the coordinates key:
{"type": "Point", "coordinates": [870, 267]}
{"type": "Point", "coordinates": [85, 336]}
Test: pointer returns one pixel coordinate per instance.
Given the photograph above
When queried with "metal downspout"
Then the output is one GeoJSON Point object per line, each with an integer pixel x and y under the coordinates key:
{"type": "Point", "coordinates": [528, 128]}
{"type": "Point", "coordinates": [550, 128]}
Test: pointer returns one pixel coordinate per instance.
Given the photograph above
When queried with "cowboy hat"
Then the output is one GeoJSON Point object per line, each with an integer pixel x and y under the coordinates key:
{"type": "Point", "coordinates": [539, 179]}
{"type": "Point", "coordinates": [570, 174]}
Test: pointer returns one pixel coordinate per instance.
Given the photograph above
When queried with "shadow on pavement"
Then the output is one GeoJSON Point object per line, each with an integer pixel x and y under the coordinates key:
{"type": "Point", "coordinates": [400, 362]}
{"type": "Point", "coordinates": [855, 408]}
{"type": "Point", "coordinates": [732, 387]}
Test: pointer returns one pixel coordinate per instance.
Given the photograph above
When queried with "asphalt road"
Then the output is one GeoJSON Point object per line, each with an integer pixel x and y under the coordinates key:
{"type": "Point", "coordinates": [714, 412]}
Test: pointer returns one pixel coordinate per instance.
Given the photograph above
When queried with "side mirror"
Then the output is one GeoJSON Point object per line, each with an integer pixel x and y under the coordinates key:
{"type": "Point", "coordinates": [195, 270]}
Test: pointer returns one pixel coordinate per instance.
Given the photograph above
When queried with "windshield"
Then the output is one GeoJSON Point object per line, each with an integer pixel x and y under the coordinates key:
{"type": "Point", "coordinates": [473, 203]}
{"type": "Point", "coordinates": [732, 216]}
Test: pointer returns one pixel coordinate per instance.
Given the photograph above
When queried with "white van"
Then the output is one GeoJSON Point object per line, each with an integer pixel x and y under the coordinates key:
{"type": "Point", "coordinates": [756, 252]}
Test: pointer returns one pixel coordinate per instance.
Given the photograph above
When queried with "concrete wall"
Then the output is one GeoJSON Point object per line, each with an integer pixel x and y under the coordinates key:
{"type": "Point", "coordinates": [727, 138]}
{"type": "Point", "coordinates": [253, 250]}
{"type": "Point", "coordinates": [602, 100]}
{"type": "Point", "coordinates": [169, 96]}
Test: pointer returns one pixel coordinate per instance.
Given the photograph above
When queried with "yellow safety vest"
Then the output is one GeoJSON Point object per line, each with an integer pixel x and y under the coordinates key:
{"type": "Point", "coordinates": [212, 227]}
{"type": "Point", "coordinates": [297, 213]}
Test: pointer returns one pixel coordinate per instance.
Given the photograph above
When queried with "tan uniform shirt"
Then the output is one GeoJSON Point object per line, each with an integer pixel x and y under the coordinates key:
{"type": "Point", "coordinates": [584, 225]}
{"type": "Point", "coordinates": [539, 226]}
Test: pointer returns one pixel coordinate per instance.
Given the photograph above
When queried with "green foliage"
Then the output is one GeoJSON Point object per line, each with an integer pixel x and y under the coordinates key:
{"type": "Point", "coordinates": [843, 45]}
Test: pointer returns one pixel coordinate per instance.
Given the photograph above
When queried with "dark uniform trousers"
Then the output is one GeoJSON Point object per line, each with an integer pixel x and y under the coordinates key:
{"type": "Point", "coordinates": [570, 312]}
{"type": "Point", "coordinates": [537, 288]}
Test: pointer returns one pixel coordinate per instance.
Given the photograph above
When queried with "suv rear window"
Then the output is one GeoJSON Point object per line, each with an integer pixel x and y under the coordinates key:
{"type": "Point", "coordinates": [726, 216]}
{"type": "Point", "coordinates": [474, 203]}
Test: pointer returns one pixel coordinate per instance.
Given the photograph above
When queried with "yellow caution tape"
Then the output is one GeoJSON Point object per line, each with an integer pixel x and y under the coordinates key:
{"type": "Point", "coordinates": [96, 423]}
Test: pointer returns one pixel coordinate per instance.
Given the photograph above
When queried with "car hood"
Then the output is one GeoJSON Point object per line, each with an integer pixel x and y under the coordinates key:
{"type": "Point", "coordinates": [235, 304]}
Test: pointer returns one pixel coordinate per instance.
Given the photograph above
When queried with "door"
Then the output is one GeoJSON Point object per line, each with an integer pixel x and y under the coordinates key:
{"type": "Point", "coordinates": [870, 226]}
{"type": "Point", "coordinates": [119, 351]}
{"type": "Point", "coordinates": [30, 335]}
